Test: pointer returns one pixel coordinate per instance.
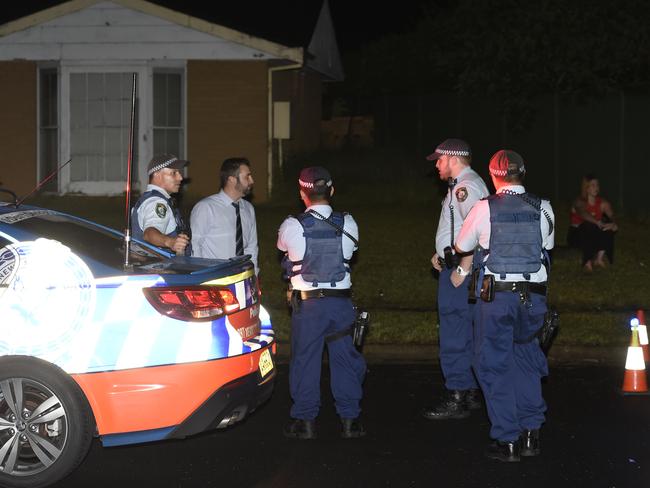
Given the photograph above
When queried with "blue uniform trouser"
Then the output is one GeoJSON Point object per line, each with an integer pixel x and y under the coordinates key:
{"type": "Point", "coordinates": [456, 334]}
{"type": "Point", "coordinates": [315, 319]}
{"type": "Point", "coordinates": [510, 373]}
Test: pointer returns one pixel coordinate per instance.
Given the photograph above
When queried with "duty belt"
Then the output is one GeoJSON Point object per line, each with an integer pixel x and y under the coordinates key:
{"type": "Point", "coordinates": [322, 293]}
{"type": "Point", "coordinates": [520, 287]}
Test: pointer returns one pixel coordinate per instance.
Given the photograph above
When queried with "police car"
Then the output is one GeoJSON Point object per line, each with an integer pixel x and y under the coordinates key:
{"type": "Point", "coordinates": [162, 348]}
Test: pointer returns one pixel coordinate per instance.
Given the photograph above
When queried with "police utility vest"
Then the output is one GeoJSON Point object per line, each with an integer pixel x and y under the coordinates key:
{"type": "Point", "coordinates": [515, 234]}
{"type": "Point", "coordinates": [323, 261]}
{"type": "Point", "coordinates": [137, 231]}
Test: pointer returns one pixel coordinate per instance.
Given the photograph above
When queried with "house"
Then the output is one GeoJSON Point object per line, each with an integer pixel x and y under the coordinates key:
{"type": "Point", "coordinates": [205, 90]}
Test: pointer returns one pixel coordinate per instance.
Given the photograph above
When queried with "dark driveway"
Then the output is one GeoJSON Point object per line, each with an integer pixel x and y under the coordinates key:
{"type": "Point", "coordinates": [593, 438]}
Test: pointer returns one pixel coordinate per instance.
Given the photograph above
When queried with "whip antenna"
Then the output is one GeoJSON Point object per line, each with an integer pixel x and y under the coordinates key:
{"type": "Point", "coordinates": [129, 166]}
{"type": "Point", "coordinates": [45, 180]}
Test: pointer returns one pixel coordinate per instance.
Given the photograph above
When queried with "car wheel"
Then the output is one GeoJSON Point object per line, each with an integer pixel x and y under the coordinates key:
{"type": "Point", "coordinates": [46, 424]}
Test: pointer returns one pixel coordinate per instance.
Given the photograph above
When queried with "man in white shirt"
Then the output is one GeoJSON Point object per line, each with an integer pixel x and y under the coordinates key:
{"type": "Point", "coordinates": [319, 244]}
{"type": "Point", "coordinates": [155, 218]}
{"type": "Point", "coordinates": [513, 229]}
{"type": "Point", "coordinates": [223, 224]}
{"type": "Point", "coordinates": [453, 158]}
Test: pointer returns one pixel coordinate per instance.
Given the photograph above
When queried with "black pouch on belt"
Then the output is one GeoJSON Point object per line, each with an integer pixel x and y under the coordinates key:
{"type": "Point", "coordinates": [487, 288]}
{"type": "Point", "coordinates": [295, 300]}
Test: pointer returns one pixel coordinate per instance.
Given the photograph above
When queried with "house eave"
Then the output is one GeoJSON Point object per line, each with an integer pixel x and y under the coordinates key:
{"type": "Point", "coordinates": [293, 54]}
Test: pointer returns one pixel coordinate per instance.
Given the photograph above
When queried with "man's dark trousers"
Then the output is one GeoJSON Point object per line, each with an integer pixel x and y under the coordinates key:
{"type": "Point", "coordinates": [311, 321]}
{"type": "Point", "coordinates": [456, 334]}
{"type": "Point", "coordinates": [510, 373]}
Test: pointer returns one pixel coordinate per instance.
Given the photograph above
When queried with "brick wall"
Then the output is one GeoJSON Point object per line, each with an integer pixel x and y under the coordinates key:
{"type": "Point", "coordinates": [226, 117]}
{"type": "Point", "coordinates": [18, 125]}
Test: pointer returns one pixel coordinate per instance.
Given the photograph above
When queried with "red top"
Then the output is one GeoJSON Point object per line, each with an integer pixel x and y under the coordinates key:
{"type": "Point", "coordinates": [595, 210]}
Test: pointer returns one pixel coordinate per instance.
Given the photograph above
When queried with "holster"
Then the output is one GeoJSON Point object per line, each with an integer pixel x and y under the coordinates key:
{"type": "Point", "coordinates": [487, 288]}
{"type": "Point", "coordinates": [295, 301]}
{"type": "Point", "coordinates": [357, 330]}
{"type": "Point", "coordinates": [360, 328]}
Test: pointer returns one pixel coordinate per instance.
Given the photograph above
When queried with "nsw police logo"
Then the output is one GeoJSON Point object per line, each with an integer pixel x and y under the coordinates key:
{"type": "Point", "coordinates": [8, 266]}
{"type": "Point", "coordinates": [461, 194]}
{"type": "Point", "coordinates": [48, 297]}
{"type": "Point", "coordinates": [161, 210]}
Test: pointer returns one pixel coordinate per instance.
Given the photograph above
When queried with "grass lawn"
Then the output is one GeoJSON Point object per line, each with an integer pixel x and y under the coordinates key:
{"type": "Point", "coordinates": [392, 275]}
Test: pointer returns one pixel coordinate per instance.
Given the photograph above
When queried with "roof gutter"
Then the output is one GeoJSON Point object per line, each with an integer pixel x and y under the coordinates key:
{"type": "Point", "coordinates": [269, 142]}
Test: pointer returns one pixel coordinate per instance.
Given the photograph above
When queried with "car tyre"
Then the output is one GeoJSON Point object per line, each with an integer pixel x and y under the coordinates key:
{"type": "Point", "coordinates": [55, 428]}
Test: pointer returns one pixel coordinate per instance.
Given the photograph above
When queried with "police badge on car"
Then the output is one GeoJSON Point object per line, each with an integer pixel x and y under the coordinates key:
{"type": "Point", "coordinates": [8, 260]}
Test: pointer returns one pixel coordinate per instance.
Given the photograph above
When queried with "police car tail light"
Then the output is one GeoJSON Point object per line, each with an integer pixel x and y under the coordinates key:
{"type": "Point", "coordinates": [193, 303]}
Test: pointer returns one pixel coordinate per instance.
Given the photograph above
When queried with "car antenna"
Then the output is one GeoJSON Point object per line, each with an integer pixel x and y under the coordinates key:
{"type": "Point", "coordinates": [129, 166]}
{"type": "Point", "coordinates": [48, 178]}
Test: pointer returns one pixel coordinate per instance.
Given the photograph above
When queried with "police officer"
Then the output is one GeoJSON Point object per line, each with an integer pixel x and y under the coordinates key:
{"type": "Point", "coordinates": [154, 217]}
{"type": "Point", "coordinates": [513, 230]}
{"type": "Point", "coordinates": [453, 159]}
{"type": "Point", "coordinates": [319, 244]}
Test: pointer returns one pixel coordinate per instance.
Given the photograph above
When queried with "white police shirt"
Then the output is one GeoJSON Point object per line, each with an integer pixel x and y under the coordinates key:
{"type": "Point", "coordinates": [155, 212]}
{"type": "Point", "coordinates": [214, 227]}
{"type": "Point", "coordinates": [292, 241]}
{"type": "Point", "coordinates": [476, 231]}
{"type": "Point", "coordinates": [468, 190]}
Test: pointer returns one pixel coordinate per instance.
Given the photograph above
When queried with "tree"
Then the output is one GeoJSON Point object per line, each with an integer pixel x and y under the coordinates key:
{"type": "Point", "coordinates": [511, 50]}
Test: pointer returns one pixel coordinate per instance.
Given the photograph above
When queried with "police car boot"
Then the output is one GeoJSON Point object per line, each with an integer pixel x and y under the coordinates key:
{"type": "Point", "coordinates": [452, 406]}
{"type": "Point", "coordinates": [473, 399]}
{"type": "Point", "coordinates": [507, 452]}
{"type": "Point", "coordinates": [530, 443]}
{"type": "Point", "coordinates": [352, 428]}
{"type": "Point", "coordinates": [300, 429]}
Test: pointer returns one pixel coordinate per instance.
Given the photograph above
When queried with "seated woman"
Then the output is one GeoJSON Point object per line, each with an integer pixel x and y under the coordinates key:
{"type": "Point", "coordinates": [592, 225]}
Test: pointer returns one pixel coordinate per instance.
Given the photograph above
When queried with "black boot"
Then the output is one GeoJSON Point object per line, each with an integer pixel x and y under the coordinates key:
{"type": "Point", "coordinates": [452, 406]}
{"type": "Point", "coordinates": [352, 428]}
{"type": "Point", "coordinates": [507, 452]}
{"type": "Point", "coordinates": [530, 443]}
{"type": "Point", "coordinates": [473, 399]}
{"type": "Point", "coordinates": [300, 429]}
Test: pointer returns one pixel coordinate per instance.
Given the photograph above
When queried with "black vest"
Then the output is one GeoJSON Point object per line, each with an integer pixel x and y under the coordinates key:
{"type": "Point", "coordinates": [323, 261]}
{"type": "Point", "coordinates": [515, 234]}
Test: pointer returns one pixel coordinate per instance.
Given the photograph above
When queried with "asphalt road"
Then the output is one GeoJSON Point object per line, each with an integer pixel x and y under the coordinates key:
{"type": "Point", "coordinates": [593, 437]}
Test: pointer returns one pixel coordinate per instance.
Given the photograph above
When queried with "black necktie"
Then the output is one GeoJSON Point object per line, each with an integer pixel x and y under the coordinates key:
{"type": "Point", "coordinates": [239, 237]}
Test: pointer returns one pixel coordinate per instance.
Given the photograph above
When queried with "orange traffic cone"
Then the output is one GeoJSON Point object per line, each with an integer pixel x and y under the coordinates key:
{"type": "Point", "coordinates": [634, 382]}
{"type": "Point", "coordinates": [643, 335]}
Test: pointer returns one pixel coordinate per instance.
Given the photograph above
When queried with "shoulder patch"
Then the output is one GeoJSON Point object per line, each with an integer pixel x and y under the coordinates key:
{"type": "Point", "coordinates": [461, 194]}
{"type": "Point", "coordinates": [161, 210]}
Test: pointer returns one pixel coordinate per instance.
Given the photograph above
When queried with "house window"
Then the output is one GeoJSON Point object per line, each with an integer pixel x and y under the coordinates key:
{"type": "Point", "coordinates": [168, 134]}
{"type": "Point", "coordinates": [100, 109]}
{"type": "Point", "coordinates": [48, 127]}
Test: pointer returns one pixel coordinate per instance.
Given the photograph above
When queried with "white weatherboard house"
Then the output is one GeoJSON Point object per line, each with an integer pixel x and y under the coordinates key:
{"type": "Point", "coordinates": [205, 92]}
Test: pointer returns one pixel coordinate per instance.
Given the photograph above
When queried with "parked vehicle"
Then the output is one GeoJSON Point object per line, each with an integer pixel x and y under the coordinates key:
{"type": "Point", "coordinates": [163, 348]}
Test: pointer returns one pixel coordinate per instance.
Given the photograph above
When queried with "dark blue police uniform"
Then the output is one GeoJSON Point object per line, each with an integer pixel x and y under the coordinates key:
{"type": "Point", "coordinates": [513, 230]}
{"type": "Point", "coordinates": [317, 262]}
{"type": "Point", "coordinates": [510, 363]}
{"type": "Point", "coordinates": [455, 313]}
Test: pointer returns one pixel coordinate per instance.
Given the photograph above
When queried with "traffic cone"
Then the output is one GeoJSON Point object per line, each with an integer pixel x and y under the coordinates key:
{"type": "Point", "coordinates": [643, 335]}
{"type": "Point", "coordinates": [634, 382]}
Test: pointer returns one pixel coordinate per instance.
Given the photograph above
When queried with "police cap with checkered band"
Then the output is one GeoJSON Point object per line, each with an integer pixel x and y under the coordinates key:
{"type": "Point", "coordinates": [165, 161]}
{"type": "Point", "coordinates": [451, 147]}
{"type": "Point", "coordinates": [313, 177]}
{"type": "Point", "coordinates": [507, 163]}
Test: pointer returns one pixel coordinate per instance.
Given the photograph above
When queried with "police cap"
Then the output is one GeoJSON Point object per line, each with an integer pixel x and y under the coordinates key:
{"type": "Point", "coordinates": [451, 147]}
